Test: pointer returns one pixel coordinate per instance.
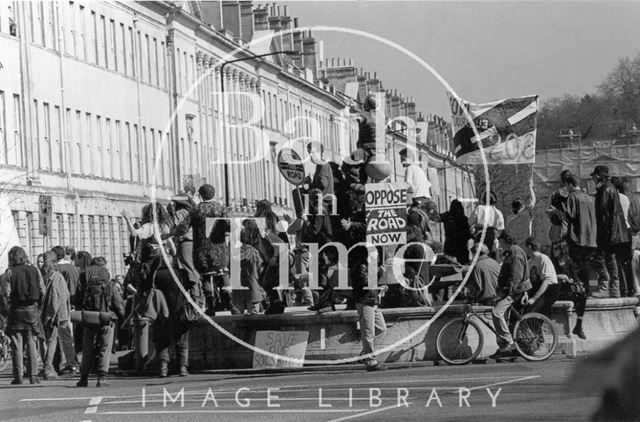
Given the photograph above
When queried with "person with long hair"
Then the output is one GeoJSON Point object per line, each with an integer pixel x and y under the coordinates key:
{"type": "Point", "coordinates": [252, 266]}
{"type": "Point", "coordinates": [23, 325]}
{"type": "Point", "coordinates": [56, 311]}
{"type": "Point", "coordinates": [456, 232]}
{"type": "Point", "coordinates": [210, 249]}
{"type": "Point", "coordinates": [270, 246]}
{"type": "Point", "coordinates": [82, 261]}
{"type": "Point", "coordinates": [149, 248]}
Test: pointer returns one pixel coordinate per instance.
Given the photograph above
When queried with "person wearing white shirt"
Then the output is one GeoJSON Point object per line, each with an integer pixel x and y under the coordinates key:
{"type": "Point", "coordinates": [494, 219]}
{"type": "Point", "coordinates": [419, 185]}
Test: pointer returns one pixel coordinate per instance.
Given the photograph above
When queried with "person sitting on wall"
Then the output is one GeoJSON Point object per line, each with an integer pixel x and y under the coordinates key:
{"type": "Point", "coordinates": [329, 274]}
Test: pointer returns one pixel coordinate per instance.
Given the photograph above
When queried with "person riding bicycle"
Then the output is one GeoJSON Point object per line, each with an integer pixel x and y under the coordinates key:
{"type": "Point", "coordinates": [513, 283]}
{"type": "Point", "coordinates": [544, 280]}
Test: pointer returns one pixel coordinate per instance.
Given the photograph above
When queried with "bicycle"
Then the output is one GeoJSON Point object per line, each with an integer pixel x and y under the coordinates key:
{"type": "Point", "coordinates": [460, 340]}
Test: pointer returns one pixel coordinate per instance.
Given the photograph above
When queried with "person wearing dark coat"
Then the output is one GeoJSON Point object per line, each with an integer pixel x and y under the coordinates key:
{"type": "Point", "coordinates": [23, 322]}
{"type": "Point", "coordinates": [210, 248]}
{"type": "Point", "coordinates": [612, 230]}
{"type": "Point", "coordinates": [175, 328]}
{"type": "Point", "coordinates": [456, 232]}
{"type": "Point", "coordinates": [97, 294]}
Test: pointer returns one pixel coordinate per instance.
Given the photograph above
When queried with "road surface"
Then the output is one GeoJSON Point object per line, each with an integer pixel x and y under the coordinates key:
{"type": "Point", "coordinates": [520, 391]}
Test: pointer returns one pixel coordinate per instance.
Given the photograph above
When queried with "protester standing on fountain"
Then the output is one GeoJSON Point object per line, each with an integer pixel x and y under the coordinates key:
{"type": "Point", "coordinates": [210, 251]}
{"type": "Point", "coordinates": [582, 228]}
{"type": "Point", "coordinates": [624, 252]}
{"type": "Point", "coordinates": [252, 266]}
{"type": "Point", "coordinates": [419, 185]}
{"type": "Point", "coordinates": [612, 230]}
{"type": "Point", "coordinates": [494, 219]}
{"type": "Point", "coordinates": [456, 232]}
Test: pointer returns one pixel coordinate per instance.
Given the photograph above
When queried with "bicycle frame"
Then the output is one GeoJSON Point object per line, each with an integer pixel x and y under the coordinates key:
{"type": "Point", "coordinates": [486, 321]}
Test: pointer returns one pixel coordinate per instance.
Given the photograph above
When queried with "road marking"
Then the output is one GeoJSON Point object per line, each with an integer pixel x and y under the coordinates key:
{"type": "Point", "coordinates": [367, 413]}
{"type": "Point", "coordinates": [395, 406]}
{"type": "Point", "coordinates": [262, 411]}
{"type": "Point", "coordinates": [288, 388]}
{"type": "Point", "coordinates": [93, 405]}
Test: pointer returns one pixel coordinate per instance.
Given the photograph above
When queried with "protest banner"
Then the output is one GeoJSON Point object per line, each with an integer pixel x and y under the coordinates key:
{"type": "Point", "coordinates": [386, 206]}
{"type": "Point", "coordinates": [506, 129]}
{"type": "Point", "coordinates": [292, 344]}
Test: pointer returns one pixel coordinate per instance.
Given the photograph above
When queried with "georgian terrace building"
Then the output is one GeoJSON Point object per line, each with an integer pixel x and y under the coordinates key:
{"type": "Point", "coordinates": [87, 94]}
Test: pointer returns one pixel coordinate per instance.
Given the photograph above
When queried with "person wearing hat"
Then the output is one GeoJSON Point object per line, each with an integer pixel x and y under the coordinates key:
{"type": "Point", "coordinates": [612, 231]}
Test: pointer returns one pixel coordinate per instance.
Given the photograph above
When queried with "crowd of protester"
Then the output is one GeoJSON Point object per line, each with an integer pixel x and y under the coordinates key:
{"type": "Point", "coordinates": [67, 305]}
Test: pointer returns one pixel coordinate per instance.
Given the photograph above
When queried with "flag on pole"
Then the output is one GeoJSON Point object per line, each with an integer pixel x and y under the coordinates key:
{"type": "Point", "coordinates": [506, 130]}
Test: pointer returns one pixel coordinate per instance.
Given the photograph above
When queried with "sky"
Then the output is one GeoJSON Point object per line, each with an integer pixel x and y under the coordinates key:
{"type": "Point", "coordinates": [484, 50]}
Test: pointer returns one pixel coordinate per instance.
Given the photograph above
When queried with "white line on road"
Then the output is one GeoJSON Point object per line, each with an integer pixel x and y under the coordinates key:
{"type": "Point", "coordinates": [287, 388]}
{"type": "Point", "coordinates": [383, 409]}
{"type": "Point", "coordinates": [163, 412]}
{"type": "Point", "coordinates": [367, 413]}
{"type": "Point", "coordinates": [93, 405]}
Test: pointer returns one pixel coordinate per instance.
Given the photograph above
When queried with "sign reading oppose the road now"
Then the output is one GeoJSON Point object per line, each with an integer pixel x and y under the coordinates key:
{"type": "Point", "coordinates": [290, 165]}
{"type": "Point", "coordinates": [292, 344]}
{"type": "Point", "coordinates": [386, 205]}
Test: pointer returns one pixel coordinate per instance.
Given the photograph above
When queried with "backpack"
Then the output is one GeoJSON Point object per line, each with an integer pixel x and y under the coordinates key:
{"type": "Point", "coordinates": [98, 290]}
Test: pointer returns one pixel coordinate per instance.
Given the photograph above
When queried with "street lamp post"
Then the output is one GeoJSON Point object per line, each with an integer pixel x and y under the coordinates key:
{"type": "Point", "coordinates": [224, 114]}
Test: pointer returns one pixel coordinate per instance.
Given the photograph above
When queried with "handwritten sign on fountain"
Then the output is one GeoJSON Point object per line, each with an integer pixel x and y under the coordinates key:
{"type": "Point", "coordinates": [386, 205]}
{"type": "Point", "coordinates": [292, 344]}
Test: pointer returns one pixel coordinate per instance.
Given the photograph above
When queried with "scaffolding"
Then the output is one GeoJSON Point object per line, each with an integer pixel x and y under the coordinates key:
{"type": "Point", "coordinates": [622, 156]}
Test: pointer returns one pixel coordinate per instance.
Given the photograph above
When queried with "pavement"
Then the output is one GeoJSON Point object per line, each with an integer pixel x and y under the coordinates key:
{"type": "Point", "coordinates": [520, 391]}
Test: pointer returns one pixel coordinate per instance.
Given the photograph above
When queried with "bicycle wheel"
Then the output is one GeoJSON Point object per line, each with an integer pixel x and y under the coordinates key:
{"type": "Point", "coordinates": [459, 341]}
{"type": "Point", "coordinates": [535, 337]}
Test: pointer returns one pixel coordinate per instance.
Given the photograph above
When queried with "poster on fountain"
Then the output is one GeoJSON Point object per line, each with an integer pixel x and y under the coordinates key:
{"type": "Point", "coordinates": [386, 206]}
{"type": "Point", "coordinates": [292, 344]}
